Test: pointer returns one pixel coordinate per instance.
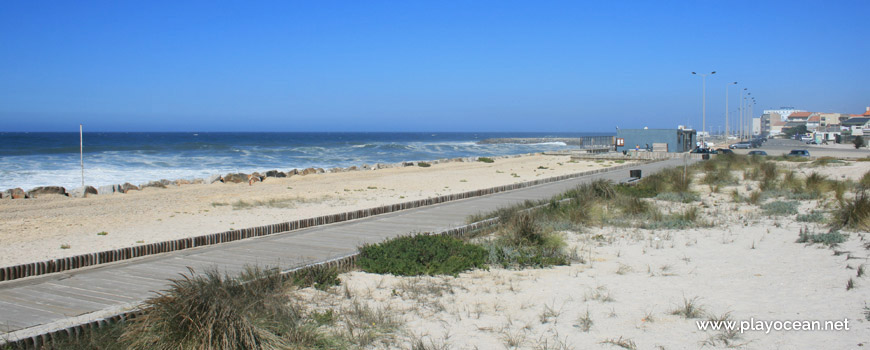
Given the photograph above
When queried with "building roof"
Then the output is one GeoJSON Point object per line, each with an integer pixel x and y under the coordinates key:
{"type": "Point", "coordinates": [856, 121]}
{"type": "Point", "coordinates": [793, 124]}
{"type": "Point", "coordinates": [800, 115]}
{"type": "Point", "coordinates": [815, 118]}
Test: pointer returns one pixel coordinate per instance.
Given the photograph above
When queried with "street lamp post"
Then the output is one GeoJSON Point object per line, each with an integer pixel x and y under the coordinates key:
{"type": "Point", "coordinates": [726, 109]}
{"type": "Point", "coordinates": [741, 112]}
{"type": "Point", "coordinates": [704, 100]}
{"type": "Point", "coordinates": [747, 116]}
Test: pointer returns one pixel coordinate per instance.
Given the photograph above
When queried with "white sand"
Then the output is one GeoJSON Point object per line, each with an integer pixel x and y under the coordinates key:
{"type": "Point", "coordinates": [35, 229]}
{"type": "Point", "coordinates": [747, 266]}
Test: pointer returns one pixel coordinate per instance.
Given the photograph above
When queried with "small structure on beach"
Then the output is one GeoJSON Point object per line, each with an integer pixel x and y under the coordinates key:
{"type": "Point", "coordinates": [664, 140]}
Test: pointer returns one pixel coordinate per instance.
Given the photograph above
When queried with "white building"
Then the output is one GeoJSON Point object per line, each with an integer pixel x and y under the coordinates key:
{"type": "Point", "coordinates": [756, 126]}
{"type": "Point", "coordinates": [783, 112]}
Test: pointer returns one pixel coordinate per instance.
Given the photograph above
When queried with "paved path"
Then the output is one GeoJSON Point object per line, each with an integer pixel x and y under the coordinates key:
{"type": "Point", "coordinates": [52, 302]}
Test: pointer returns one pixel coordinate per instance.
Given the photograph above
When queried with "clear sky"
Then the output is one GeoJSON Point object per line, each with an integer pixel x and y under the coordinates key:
{"type": "Point", "coordinates": [421, 66]}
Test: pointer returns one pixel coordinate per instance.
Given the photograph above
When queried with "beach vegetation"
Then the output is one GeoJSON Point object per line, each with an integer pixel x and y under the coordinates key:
{"type": "Point", "coordinates": [65, 246]}
{"type": "Point", "coordinates": [320, 277]}
{"type": "Point", "coordinates": [521, 242]}
{"type": "Point", "coordinates": [102, 233]}
{"type": "Point", "coordinates": [689, 308]}
{"type": "Point", "coordinates": [421, 254]}
{"type": "Point", "coordinates": [215, 311]}
{"type": "Point", "coordinates": [621, 342]}
{"type": "Point", "coordinates": [485, 160]}
{"type": "Point", "coordinates": [814, 216]}
{"type": "Point", "coordinates": [824, 161]}
{"type": "Point", "coordinates": [858, 142]}
{"type": "Point", "coordinates": [830, 239]}
{"type": "Point", "coordinates": [780, 208]}
{"type": "Point", "coordinates": [423, 164]}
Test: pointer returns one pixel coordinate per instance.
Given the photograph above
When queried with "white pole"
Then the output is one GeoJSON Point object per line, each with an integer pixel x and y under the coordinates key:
{"type": "Point", "coordinates": [704, 105]}
{"type": "Point", "coordinates": [82, 154]}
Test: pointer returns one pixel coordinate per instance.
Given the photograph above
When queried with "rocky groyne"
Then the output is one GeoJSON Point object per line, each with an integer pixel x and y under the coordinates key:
{"type": "Point", "coordinates": [587, 141]}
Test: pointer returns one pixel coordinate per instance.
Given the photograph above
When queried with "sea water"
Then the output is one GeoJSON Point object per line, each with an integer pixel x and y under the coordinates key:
{"type": "Point", "coordinates": [28, 160]}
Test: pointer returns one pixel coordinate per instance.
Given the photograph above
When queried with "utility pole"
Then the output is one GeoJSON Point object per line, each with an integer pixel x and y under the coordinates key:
{"type": "Point", "coordinates": [82, 154]}
{"type": "Point", "coordinates": [726, 109]}
{"type": "Point", "coordinates": [704, 101]}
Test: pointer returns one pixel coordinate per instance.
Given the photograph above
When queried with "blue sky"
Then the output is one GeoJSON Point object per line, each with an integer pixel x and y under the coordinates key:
{"type": "Point", "coordinates": [420, 66]}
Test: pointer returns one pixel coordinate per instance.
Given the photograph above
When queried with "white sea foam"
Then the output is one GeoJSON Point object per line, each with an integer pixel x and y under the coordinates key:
{"type": "Point", "coordinates": [141, 166]}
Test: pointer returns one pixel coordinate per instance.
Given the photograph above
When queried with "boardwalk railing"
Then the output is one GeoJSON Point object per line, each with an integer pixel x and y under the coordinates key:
{"type": "Point", "coordinates": [84, 260]}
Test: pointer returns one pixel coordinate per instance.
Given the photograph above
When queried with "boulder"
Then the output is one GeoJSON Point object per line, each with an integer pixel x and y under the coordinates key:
{"type": "Point", "coordinates": [166, 182]}
{"type": "Point", "coordinates": [336, 170]}
{"type": "Point", "coordinates": [236, 178]}
{"type": "Point", "coordinates": [258, 177]}
{"type": "Point", "coordinates": [214, 178]}
{"type": "Point", "coordinates": [272, 173]}
{"type": "Point", "coordinates": [156, 184]}
{"type": "Point", "coordinates": [46, 190]}
{"type": "Point", "coordinates": [129, 187]}
{"type": "Point", "coordinates": [366, 167]}
{"type": "Point", "coordinates": [320, 171]}
{"type": "Point", "coordinates": [352, 168]}
{"type": "Point", "coordinates": [198, 181]}
{"type": "Point", "coordinates": [409, 164]}
{"type": "Point", "coordinates": [309, 171]}
{"type": "Point", "coordinates": [82, 192]}
{"type": "Point", "coordinates": [180, 182]}
{"type": "Point", "coordinates": [106, 189]}
{"type": "Point", "coordinates": [293, 172]}
{"type": "Point", "coordinates": [16, 193]}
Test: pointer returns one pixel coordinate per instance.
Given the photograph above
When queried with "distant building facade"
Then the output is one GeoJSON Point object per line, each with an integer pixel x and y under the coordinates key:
{"type": "Point", "coordinates": [783, 112]}
{"type": "Point", "coordinates": [674, 140]}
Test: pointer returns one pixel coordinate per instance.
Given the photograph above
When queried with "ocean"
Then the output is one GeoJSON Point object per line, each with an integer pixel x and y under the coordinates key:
{"type": "Point", "coordinates": [32, 159]}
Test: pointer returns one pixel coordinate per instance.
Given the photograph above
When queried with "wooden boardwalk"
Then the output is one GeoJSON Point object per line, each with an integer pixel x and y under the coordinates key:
{"type": "Point", "coordinates": [48, 303]}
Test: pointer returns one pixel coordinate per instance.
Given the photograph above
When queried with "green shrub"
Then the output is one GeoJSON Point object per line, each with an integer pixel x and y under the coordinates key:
{"type": "Point", "coordinates": [813, 216]}
{"type": "Point", "coordinates": [779, 208]}
{"type": "Point", "coordinates": [421, 254]}
{"type": "Point", "coordinates": [319, 277]}
{"type": "Point", "coordinates": [423, 164]}
{"type": "Point", "coordinates": [682, 197]}
{"type": "Point", "coordinates": [830, 239]}
{"type": "Point", "coordinates": [854, 214]}
{"type": "Point", "coordinates": [212, 311]}
{"type": "Point", "coordinates": [485, 159]}
{"type": "Point", "coordinates": [823, 161]}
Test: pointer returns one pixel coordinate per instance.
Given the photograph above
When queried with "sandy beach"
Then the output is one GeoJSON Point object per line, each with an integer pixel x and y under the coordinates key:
{"type": "Point", "coordinates": [56, 226]}
{"type": "Point", "coordinates": [626, 286]}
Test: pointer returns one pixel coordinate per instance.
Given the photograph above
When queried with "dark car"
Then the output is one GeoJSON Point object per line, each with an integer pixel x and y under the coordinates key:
{"type": "Point", "coordinates": [703, 151]}
{"type": "Point", "coordinates": [799, 153]}
{"type": "Point", "coordinates": [757, 153]}
{"type": "Point", "coordinates": [724, 151]}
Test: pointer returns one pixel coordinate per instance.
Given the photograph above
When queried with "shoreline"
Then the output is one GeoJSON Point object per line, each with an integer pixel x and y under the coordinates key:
{"type": "Point", "coordinates": [259, 176]}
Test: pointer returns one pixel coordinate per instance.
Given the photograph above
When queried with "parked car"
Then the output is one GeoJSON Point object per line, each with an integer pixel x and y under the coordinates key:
{"type": "Point", "coordinates": [798, 153]}
{"type": "Point", "coordinates": [724, 151]}
{"type": "Point", "coordinates": [741, 145]}
{"type": "Point", "coordinates": [812, 142]}
{"type": "Point", "coordinates": [703, 151]}
{"type": "Point", "coordinates": [757, 153]}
